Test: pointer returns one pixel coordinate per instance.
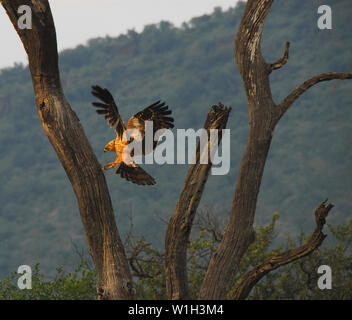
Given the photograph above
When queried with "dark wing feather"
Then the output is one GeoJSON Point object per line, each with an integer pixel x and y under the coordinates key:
{"type": "Point", "coordinates": [159, 113]}
{"type": "Point", "coordinates": [109, 109]}
{"type": "Point", "coordinates": [135, 174]}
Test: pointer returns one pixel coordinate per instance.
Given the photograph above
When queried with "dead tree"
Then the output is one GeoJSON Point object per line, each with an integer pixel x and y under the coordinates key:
{"type": "Point", "coordinates": [264, 114]}
{"type": "Point", "coordinates": [67, 137]}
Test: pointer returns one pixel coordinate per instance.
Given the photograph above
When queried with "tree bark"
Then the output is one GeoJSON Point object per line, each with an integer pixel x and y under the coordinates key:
{"type": "Point", "coordinates": [180, 224]}
{"type": "Point", "coordinates": [264, 114]}
{"type": "Point", "coordinates": [250, 279]}
{"type": "Point", "coordinates": [67, 137]}
{"type": "Point", "coordinates": [83, 170]}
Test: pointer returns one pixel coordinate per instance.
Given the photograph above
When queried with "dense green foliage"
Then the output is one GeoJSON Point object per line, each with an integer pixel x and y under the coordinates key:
{"type": "Point", "coordinates": [297, 280]}
{"type": "Point", "coordinates": [191, 68]}
{"type": "Point", "coordinates": [77, 285]}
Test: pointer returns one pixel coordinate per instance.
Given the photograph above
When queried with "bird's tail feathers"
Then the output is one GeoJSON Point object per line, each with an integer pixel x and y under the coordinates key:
{"type": "Point", "coordinates": [135, 174]}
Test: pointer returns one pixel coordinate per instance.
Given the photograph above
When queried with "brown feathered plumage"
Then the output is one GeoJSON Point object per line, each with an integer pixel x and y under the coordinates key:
{"type": "Point", "coordinates": [158, 113]}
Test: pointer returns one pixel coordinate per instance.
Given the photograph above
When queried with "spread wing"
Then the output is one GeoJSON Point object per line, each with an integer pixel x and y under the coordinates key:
{"type": "Point", "coordinates": [135, 174]}
{"type": "Point", "coordinates": [109, 108]}
{"type": "Point", "coordinates": [158, 113]}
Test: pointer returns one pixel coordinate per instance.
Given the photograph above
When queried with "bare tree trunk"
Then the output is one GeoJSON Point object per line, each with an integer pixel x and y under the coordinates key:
{"type": "Point", "coordinates": [264, 115]}
{"type": "Point", "coordinates": [67, 137]}
{"type": "Point", "coordinates": [180, 224]}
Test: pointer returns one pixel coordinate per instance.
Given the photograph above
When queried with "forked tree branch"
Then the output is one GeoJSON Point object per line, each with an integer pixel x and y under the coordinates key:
{"type": "Point", "coordinates": [180, 224]}
{"type": "Point", "coordinates": [264, 115]}
{"type": "Point", "coordinates": [250, 279]}
{"type": "Point", "coordinates": [282, 61]}
{"type": "Point", "coordinates": [295, 94]}
{"type": "Point", "coordinates": [67, 137]}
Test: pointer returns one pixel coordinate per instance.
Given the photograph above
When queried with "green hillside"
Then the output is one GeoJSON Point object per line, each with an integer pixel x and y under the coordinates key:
{"type": "Point", "coordinates": [190, 68]}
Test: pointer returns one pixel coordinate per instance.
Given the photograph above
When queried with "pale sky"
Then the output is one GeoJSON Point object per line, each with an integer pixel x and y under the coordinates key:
{"type": "Point", "coordinates": [79, 20]}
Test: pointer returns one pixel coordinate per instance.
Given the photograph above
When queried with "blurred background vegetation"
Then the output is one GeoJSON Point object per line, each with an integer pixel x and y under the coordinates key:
{"type": "Point", "coordinates": [191, 68]}
{"type": "Point", "coordinates": [297, 280]}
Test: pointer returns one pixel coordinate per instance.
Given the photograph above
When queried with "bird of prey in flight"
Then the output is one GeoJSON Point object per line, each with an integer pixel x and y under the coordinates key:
{"type": "Point", "coordinates": [158, 113]}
